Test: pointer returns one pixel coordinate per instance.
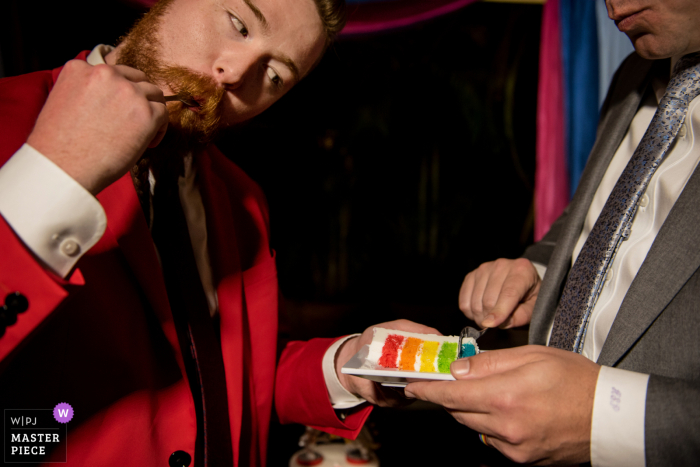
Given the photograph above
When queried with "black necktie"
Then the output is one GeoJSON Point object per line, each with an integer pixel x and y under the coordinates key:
{"type": "Point", "coordinates": [197, 333]}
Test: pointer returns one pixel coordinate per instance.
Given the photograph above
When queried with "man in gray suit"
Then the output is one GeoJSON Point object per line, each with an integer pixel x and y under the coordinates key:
{"type": "Point", "coordinates": [632, 397]}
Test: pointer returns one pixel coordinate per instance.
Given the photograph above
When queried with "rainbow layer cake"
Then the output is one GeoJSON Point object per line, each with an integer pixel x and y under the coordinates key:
{"type": "Point", "coordinates": [409, 351]}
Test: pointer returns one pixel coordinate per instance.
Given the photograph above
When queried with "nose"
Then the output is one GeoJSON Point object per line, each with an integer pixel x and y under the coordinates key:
{"type": "Point", "coordinates": [232, 71]}
{"type": "Point", "coordinates": [611, 9]}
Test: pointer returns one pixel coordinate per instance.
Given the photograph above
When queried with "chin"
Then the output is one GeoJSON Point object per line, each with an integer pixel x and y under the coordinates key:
{"type": "Point", "coordinates": [649, 47]}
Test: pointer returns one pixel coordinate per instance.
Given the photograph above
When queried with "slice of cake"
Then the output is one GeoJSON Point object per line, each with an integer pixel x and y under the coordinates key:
{"type": "Point", "coordinates": [409, 351]}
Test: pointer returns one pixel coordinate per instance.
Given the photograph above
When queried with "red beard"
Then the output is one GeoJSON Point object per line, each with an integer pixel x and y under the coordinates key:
{"type": "Point", "coordinates": [199, 124]}
{"type": "Point", "coordinates": [194, 127]}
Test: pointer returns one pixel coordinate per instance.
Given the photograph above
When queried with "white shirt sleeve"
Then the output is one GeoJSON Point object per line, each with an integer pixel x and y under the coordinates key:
{"type": "Point", "coordinates": [617, 430]}
{"type": "Point", "coordinates": [51, 213]}
{"type": "Point", "coordinates": [340, 397]}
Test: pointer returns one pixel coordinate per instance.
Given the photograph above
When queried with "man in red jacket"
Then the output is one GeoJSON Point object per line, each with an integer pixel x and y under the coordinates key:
{"type": "Point", "coordinates": [159, 329]}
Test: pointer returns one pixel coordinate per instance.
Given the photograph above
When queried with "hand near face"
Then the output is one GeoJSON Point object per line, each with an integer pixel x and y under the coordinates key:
{"type": "Point", "coordinates": [98, 121]}
{"type": "Point", "coordinates": [534, 403]}
{"type": "Point", "coordinates": [374, 392]}
{"type": "Point", "coordinates": [500, 293]}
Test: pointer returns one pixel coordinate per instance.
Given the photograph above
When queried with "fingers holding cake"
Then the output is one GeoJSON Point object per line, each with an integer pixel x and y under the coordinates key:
{"type": "Point", "coordinates": [369, 390]}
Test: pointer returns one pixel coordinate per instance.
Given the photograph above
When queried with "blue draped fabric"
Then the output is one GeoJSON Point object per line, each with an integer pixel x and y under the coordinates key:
{"type": "Point", "coordinates": [581, 81]}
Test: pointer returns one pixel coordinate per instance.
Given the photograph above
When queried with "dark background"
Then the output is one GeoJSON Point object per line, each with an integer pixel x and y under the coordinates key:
{"type": "Point", "coordinates": [404, 161]}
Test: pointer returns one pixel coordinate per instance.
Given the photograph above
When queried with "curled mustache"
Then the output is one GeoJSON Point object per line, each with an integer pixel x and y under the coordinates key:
{"type": "Point", "coordinates": [194, 124]}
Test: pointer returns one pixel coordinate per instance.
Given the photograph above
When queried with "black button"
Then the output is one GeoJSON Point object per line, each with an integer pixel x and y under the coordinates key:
{"type": "Point", "coordinates": [7, 316]}
{"type": "Point", "coordinates": [179, 459]}
{"type": "Point", "coordinates": [16, 302]}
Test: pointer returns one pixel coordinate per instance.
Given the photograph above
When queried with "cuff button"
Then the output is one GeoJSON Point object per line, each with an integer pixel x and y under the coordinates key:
{"type": "Point", "coordinates": [70, 248]}
{"type": "Point", "coordinates": [7, 316]}
{"type": "Point", "coordinates": [16, 302]}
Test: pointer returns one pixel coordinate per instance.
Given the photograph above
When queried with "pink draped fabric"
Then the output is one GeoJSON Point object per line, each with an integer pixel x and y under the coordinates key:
{"type": "Point", "coordinates": [551, 179]}
{"type": "Point", "coordinates": [379, 16]}
{"type": "Point", "coordinates": [369, 17]}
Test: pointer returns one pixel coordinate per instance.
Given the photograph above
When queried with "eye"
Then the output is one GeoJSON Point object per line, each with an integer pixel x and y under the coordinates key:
{"type": "Point", "coordinates": [274, 77]}
{"type": "Point", "coordinates": [240, 27]}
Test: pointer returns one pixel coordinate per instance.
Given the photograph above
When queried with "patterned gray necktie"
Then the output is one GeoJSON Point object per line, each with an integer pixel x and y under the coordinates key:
{"type": "Point", "coordinates": [613, 225]}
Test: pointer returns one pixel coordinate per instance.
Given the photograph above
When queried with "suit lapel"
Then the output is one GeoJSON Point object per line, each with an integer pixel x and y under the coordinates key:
{"type": "Point", "coordinates": [618, 112]}
{"type": "Point", "coordinates": [127, 227]}
{"type": "Point", "coordinates": [673, 258]}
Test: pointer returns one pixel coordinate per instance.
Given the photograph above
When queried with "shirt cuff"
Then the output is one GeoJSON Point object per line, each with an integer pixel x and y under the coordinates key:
{"type": "Point", "coordinates": [540, 268]}
{"type": "Point", "coordinates": [340, 397]}
{"type": "Point", "coordinates": [617, 431]}
{"type": "Point", "coordinates": [51, 213]}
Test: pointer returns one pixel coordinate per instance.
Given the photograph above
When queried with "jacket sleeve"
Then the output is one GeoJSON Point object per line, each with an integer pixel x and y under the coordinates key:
{"type": "Point", "coordinates": [29, 291]}
{"type": "Point", "coordinates": [672, 403]}
{"type": "Point", "coordinates": [301, 395]}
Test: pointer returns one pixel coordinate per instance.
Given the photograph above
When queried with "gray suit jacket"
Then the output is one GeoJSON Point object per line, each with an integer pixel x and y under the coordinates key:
{"type": "Point", "coordinates": [657, 329]}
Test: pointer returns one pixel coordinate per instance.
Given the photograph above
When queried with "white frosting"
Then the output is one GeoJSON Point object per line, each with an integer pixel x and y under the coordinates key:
{"type": "Point", "coordinates": [419, 355]}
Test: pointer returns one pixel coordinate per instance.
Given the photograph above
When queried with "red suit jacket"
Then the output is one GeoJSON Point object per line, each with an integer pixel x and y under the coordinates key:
{"type": "Point", "coordinates": [103, 339]}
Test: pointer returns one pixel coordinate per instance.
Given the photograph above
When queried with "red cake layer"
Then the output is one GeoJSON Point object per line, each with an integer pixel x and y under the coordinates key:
{"type": "Point", "coordinates": [390, 351]}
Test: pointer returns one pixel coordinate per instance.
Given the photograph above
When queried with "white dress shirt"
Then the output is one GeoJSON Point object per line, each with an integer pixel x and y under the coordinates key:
{"type": "Point", "coordinates": [59, 221]}
{"type": "Point", "coordinates": [617, 432]}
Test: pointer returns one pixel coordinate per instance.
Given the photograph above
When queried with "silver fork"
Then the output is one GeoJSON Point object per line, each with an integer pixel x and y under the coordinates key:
{"type": "Point", "coordinates": [188, 101]}
{"type": "Point", "coordinates": [469, 331]}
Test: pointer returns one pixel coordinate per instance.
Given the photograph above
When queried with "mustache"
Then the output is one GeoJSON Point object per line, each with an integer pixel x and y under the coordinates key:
{"type": "Point", "coordinates": [201, 123]}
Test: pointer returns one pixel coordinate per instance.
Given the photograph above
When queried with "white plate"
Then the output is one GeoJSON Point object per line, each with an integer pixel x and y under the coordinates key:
{"type": "Point", "coordinates": [359, 366]}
